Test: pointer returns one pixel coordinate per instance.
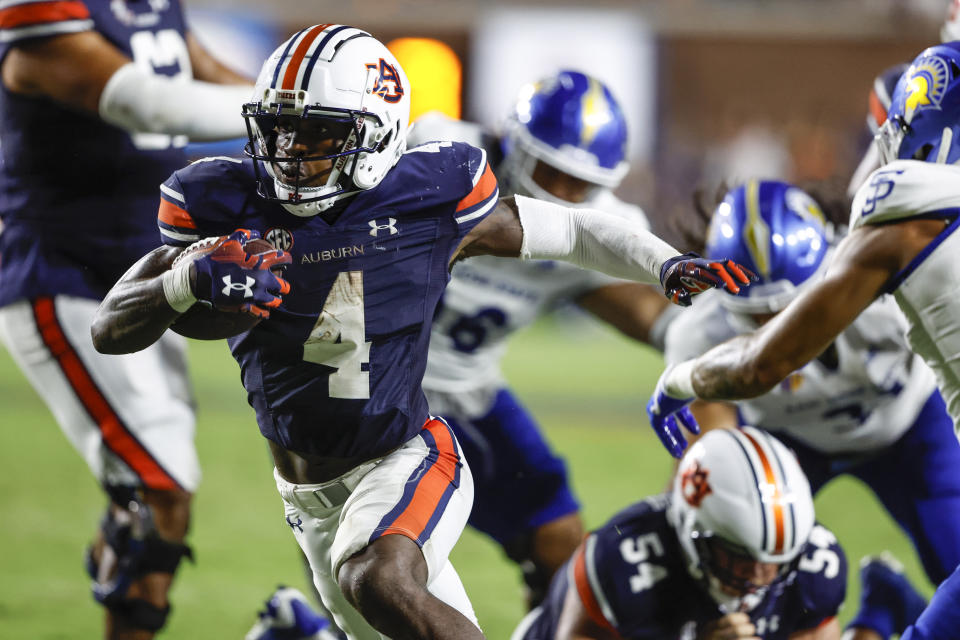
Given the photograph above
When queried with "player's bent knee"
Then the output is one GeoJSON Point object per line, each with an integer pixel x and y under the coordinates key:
{"type": "Point", "coordinates": [389, 571]}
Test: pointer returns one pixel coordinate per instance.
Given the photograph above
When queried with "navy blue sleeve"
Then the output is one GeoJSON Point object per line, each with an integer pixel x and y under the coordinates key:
{"type": "Point", "coordinates": [203, 199]}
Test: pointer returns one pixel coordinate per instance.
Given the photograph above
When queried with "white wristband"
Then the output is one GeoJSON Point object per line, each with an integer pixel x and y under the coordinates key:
{"type": "Point", "coordinates": [679, 380]}
{"type": "Point", "coordinates": [176, 288]}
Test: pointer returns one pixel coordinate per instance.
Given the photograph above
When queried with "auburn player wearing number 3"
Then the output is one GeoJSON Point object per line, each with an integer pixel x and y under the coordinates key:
{"type": "Point", "coordinates": [731, 552]}
{"type": "Point", "coordinates": [375, 490]}
{"type": "Point", "coordinates": [98, 98]}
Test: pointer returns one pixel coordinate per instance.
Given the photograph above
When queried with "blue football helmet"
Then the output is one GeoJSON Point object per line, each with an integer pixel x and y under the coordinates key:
{"type": "Point", "coordinates": [923, 122]}
{"type": "Point", "coordinates": [777, 231]}
{"type": "Point", "coordinates": [571, 122]}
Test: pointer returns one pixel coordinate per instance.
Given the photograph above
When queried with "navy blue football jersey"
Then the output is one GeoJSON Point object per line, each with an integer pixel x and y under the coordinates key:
{"type": "Point", "coordinates": [77, 195]}
{"type": "Point", "coordinates": [336, 369]}
{"type": "Point", "coordinates": [631, 577]}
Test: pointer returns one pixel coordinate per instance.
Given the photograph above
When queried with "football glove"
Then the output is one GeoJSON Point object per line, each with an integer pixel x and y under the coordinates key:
{"type": "Point", "coordinates": [230, 279]}
{"type": "Point", "coordinates": [683, 277]}
{"type": "Point", "coordinates": [666, 414]}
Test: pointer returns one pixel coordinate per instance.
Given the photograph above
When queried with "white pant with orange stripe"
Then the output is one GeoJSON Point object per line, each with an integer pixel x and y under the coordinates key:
{"type": "Point", "coordinates": [422, 490]}
{"type": "Point", "coordinates": [130, 416]}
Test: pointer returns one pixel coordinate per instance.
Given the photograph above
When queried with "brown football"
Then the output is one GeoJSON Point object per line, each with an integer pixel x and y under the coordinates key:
{"type": "Point", "coordinates": [202, 323]}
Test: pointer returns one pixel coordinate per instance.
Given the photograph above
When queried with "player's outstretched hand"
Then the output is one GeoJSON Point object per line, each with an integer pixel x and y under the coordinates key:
{"type": "Point", "coordinates": [667, 414]}
{"type": "Point", "coordinates": [683, 277]}
{"type": "Point", "coordinates": [228, 278]}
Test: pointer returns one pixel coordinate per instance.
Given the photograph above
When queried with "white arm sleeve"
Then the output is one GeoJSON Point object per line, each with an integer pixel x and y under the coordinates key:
{"type": "Point", "coordinates": [592, 239]}
{"type": "Point", "coordinates": [143, 102]}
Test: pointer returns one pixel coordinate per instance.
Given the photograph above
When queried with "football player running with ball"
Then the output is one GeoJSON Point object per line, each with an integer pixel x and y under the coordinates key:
{"type": "Point", "coordinates": [552, 149]}
{"type": "Point", "coordinates": [98, 99]}
{"type": "Point", "coordinates": [902, 241]}
{"type": "Point", "coordinates": [375, 490]}
{"type": "Point", "coordinates": [731, 552]}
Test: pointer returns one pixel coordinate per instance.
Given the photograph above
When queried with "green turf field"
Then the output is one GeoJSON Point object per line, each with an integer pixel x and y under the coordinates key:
{"type": "Point", "coordinates": [587, 386]}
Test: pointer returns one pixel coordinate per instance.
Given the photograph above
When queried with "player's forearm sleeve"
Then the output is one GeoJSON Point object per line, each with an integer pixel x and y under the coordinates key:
{"type": "Point", "coordinates": [591, 239]}
{"type": "Point", "coordinates": [143, 102]}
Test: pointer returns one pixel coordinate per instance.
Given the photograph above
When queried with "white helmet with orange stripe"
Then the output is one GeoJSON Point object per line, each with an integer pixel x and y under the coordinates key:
{"type": "Point", "coordinates": [742, 510]}
{"type": "Point", "coordinates": [328, 117]}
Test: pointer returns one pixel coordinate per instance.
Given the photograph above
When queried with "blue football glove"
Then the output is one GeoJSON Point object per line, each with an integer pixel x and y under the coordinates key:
{"type": "Point", "coordinates": [665, 412]}
{"type": "Point", "coordinates": [683, 277]}
{"type": "Point", "coordinates": [230, 279]}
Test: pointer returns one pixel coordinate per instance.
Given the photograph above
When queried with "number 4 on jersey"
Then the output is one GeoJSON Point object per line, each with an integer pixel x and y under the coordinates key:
{"type": "Point", "coordinates": [338, 338]}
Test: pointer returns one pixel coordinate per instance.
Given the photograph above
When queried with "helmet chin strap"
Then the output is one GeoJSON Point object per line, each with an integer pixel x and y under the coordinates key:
{"type": "Point", "coordinates": [305, 209]}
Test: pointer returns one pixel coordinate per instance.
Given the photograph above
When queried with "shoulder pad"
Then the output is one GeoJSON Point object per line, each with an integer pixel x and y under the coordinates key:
{"type": "Point", "coordinates": [906, 189]}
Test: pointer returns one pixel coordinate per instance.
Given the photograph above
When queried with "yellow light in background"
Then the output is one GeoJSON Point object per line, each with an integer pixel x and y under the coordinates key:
{"type": "Point", "coordinates": [434, 72]}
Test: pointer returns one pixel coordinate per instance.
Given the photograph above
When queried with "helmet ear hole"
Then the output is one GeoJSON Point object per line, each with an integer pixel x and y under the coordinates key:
{"type": "Point", "coordinates": [923, 152]}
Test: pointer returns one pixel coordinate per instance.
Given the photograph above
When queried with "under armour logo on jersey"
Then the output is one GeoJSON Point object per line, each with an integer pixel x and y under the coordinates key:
{"type": "Point", "coordinates": [295, 525]}
{"type": "Point", "coordinates": [230, 285]}
{"type": "Point", "coordinates": [376, 228]}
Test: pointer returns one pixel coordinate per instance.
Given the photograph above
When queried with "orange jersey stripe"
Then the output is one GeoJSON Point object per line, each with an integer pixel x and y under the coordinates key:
{"type": "Point", "coordinates": [777, 493]}
{"type": "Point", "coordinates": [290, 76]}
{"type": "Point", "coordinates": [413, 520]}
{"type": "Point", "coordinates": [114, 434]}
{"type": "Point", "coordinates": [175, 216]}
{"type": "Point", "coordinates": [484, 188]}
{"type": "Point", "coordinates": [877, 110]}
{"type": "Point", "coordinates": [40, 12]}
{"type": "Point", "coordinates": [585, 591]}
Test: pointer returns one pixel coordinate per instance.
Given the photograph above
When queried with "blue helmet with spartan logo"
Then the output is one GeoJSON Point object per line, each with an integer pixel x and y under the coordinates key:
{"type": "Point", "coordinates": [923, 122]}
{"type": "Point", "coordinates": [571, 122]}
{"type": "Point", "coordinates": [776, 230]}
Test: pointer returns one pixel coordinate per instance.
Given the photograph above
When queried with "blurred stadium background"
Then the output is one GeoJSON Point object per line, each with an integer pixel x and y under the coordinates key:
{"type": "Point", "coordinates": [715, 91]}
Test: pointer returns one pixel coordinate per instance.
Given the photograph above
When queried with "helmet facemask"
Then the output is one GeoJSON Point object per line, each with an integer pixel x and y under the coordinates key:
{"type": "Point", "coordinates": [318, 147]}
{"type": "Point", "coordinates": [727, 570]}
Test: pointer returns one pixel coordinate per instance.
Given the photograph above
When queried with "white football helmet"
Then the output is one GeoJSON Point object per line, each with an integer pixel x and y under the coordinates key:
{"type": "Point", "coordinates": [344, 81]}
{"type": "Point", "coordinates": [744, 491]}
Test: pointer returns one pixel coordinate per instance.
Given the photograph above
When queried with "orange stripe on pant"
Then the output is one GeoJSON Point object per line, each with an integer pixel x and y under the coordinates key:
{"type": "Point", "coordinates": [116, 436]}
{"type": "Point", "coordinates": [431, 487]}
{"type": "Point", "coordinates": [42, 12]}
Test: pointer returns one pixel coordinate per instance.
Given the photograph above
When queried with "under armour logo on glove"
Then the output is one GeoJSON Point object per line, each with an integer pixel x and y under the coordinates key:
{"type": "Point", "coordinates": [231, 286]}
{"type": "Point", "coordinates": [249, 282]}
{"type": "Point", "coordinates": [683, 277]}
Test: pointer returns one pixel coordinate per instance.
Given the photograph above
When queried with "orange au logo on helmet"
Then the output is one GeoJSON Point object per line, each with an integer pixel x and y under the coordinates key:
{"type": "Point", "coordinates": [388, 84]}
{"type": "Point", "coordinates": [694, 485]}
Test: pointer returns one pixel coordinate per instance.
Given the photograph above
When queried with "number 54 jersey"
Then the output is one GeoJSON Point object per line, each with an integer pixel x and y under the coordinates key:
{"type": "Point", "coordinates": [336, 369]}
{"type": "Point", "coordinates": [631, 578]}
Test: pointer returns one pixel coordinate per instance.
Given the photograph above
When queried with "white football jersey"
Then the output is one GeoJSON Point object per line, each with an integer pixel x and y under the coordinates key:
{"type": "Point", "coordinates": [866, 401]}
{"type": "Point", "coordinates": [926, 289]}
{"type": "Point", "coordinates": [488, 298]}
